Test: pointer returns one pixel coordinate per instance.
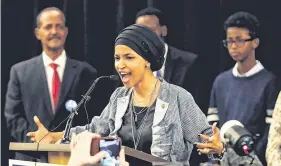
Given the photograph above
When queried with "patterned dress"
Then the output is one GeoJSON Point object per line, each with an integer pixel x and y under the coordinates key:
{"type": "Point", "coordinates": [273, 151]}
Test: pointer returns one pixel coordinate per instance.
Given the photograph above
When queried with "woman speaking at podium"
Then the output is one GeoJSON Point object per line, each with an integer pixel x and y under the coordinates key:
{"type": "Point", "coordinates": [148, 113]}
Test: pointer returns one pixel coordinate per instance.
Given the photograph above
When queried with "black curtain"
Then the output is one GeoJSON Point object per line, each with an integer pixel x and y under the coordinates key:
{"type": "Point", "coordinates": [193, 25]}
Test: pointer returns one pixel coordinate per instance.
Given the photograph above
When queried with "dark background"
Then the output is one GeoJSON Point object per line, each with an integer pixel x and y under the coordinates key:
{"type": "Point", "coordinates": [193, 25]}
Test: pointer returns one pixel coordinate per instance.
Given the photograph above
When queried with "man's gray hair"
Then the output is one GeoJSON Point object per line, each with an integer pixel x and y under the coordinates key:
{"type": "Point", "coordinates": [38, 23]}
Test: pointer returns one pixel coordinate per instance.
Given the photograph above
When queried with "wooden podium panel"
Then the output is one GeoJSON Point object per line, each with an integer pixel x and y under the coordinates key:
{"type": "Point", "coordinates": [41, 147]}
{"type": "Point", "coordinates": [58, 157]}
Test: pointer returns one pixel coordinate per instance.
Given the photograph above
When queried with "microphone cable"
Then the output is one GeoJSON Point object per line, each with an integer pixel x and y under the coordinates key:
{"type": "Point", "coordinates": [88, 98]}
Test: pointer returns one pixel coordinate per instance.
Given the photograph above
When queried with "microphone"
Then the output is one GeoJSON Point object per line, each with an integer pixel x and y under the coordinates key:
{"type": "Point", "coordinates": [114, 77]}
{"type": "Point", "coordinates": [73, 107]}
{"type": "Point", "coordinates": [240, 139]}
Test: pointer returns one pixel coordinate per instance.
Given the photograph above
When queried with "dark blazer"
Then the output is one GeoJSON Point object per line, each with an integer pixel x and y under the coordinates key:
{"type": "Point", "coordinates": [28, 95]}
{"type": "Point", "coordinates": [180, 69]}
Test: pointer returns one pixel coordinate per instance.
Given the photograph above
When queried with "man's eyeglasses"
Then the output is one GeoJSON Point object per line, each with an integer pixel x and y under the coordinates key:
{"type": "Point", "coordinates": [239, 42]}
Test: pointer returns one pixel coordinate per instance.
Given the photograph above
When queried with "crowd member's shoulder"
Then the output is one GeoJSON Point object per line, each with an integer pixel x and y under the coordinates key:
{"type": "Point", "coordinates": [273, 80]}
{"type": "Point", "coordinates": [224, 76]}
{"type": "Point", "coordinates": [26, 63]}
{"type": "Point", "coordinates": [269, 74]}
{"type": "Point", "coordinates": [184, 56]}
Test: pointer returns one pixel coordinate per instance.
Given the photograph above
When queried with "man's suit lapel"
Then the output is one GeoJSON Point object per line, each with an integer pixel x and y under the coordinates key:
{"type": "Point", "coordinates": [44, 83]}
{"type": "Point", "coordinates": [69, 75]}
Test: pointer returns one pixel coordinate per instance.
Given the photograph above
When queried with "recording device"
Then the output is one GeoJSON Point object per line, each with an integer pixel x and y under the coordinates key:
{"type": "Point", "coordinates": [241, 140]}
{"type": "Point", "coordinates": [74, 110]}
{"type": "Point", "coordinates": [112, 145]}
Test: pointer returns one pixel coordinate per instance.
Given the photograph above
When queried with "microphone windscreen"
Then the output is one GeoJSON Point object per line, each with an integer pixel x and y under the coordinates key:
{"type": "Point", "coordinates": [70, 105]}
{"type": "Point", "coordinates": [225, 127]}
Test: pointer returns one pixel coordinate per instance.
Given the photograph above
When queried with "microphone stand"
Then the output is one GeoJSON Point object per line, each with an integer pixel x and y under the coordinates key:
{"type": "Point", "coordinates": [86, 97]}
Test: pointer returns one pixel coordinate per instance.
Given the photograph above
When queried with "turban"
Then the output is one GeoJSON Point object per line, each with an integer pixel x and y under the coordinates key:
{"type": "Point", "coordinates": [144, 42]}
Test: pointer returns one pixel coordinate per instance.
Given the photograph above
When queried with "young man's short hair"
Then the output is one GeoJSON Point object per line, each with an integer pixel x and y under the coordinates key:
{"type": "Point", "coordinates": [243, 20]}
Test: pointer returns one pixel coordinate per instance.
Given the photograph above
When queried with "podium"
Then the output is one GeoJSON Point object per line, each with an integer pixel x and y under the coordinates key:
{"type": "Point", "coordinates": [60, 153]}
{"type": "Point", "coordinates": [57, 153]}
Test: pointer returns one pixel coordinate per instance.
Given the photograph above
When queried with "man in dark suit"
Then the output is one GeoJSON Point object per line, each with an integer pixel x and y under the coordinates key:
{"type": "Point", "coordinates": [41, 85]}
{"type": "Point", "coordinates": [178, 68]}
